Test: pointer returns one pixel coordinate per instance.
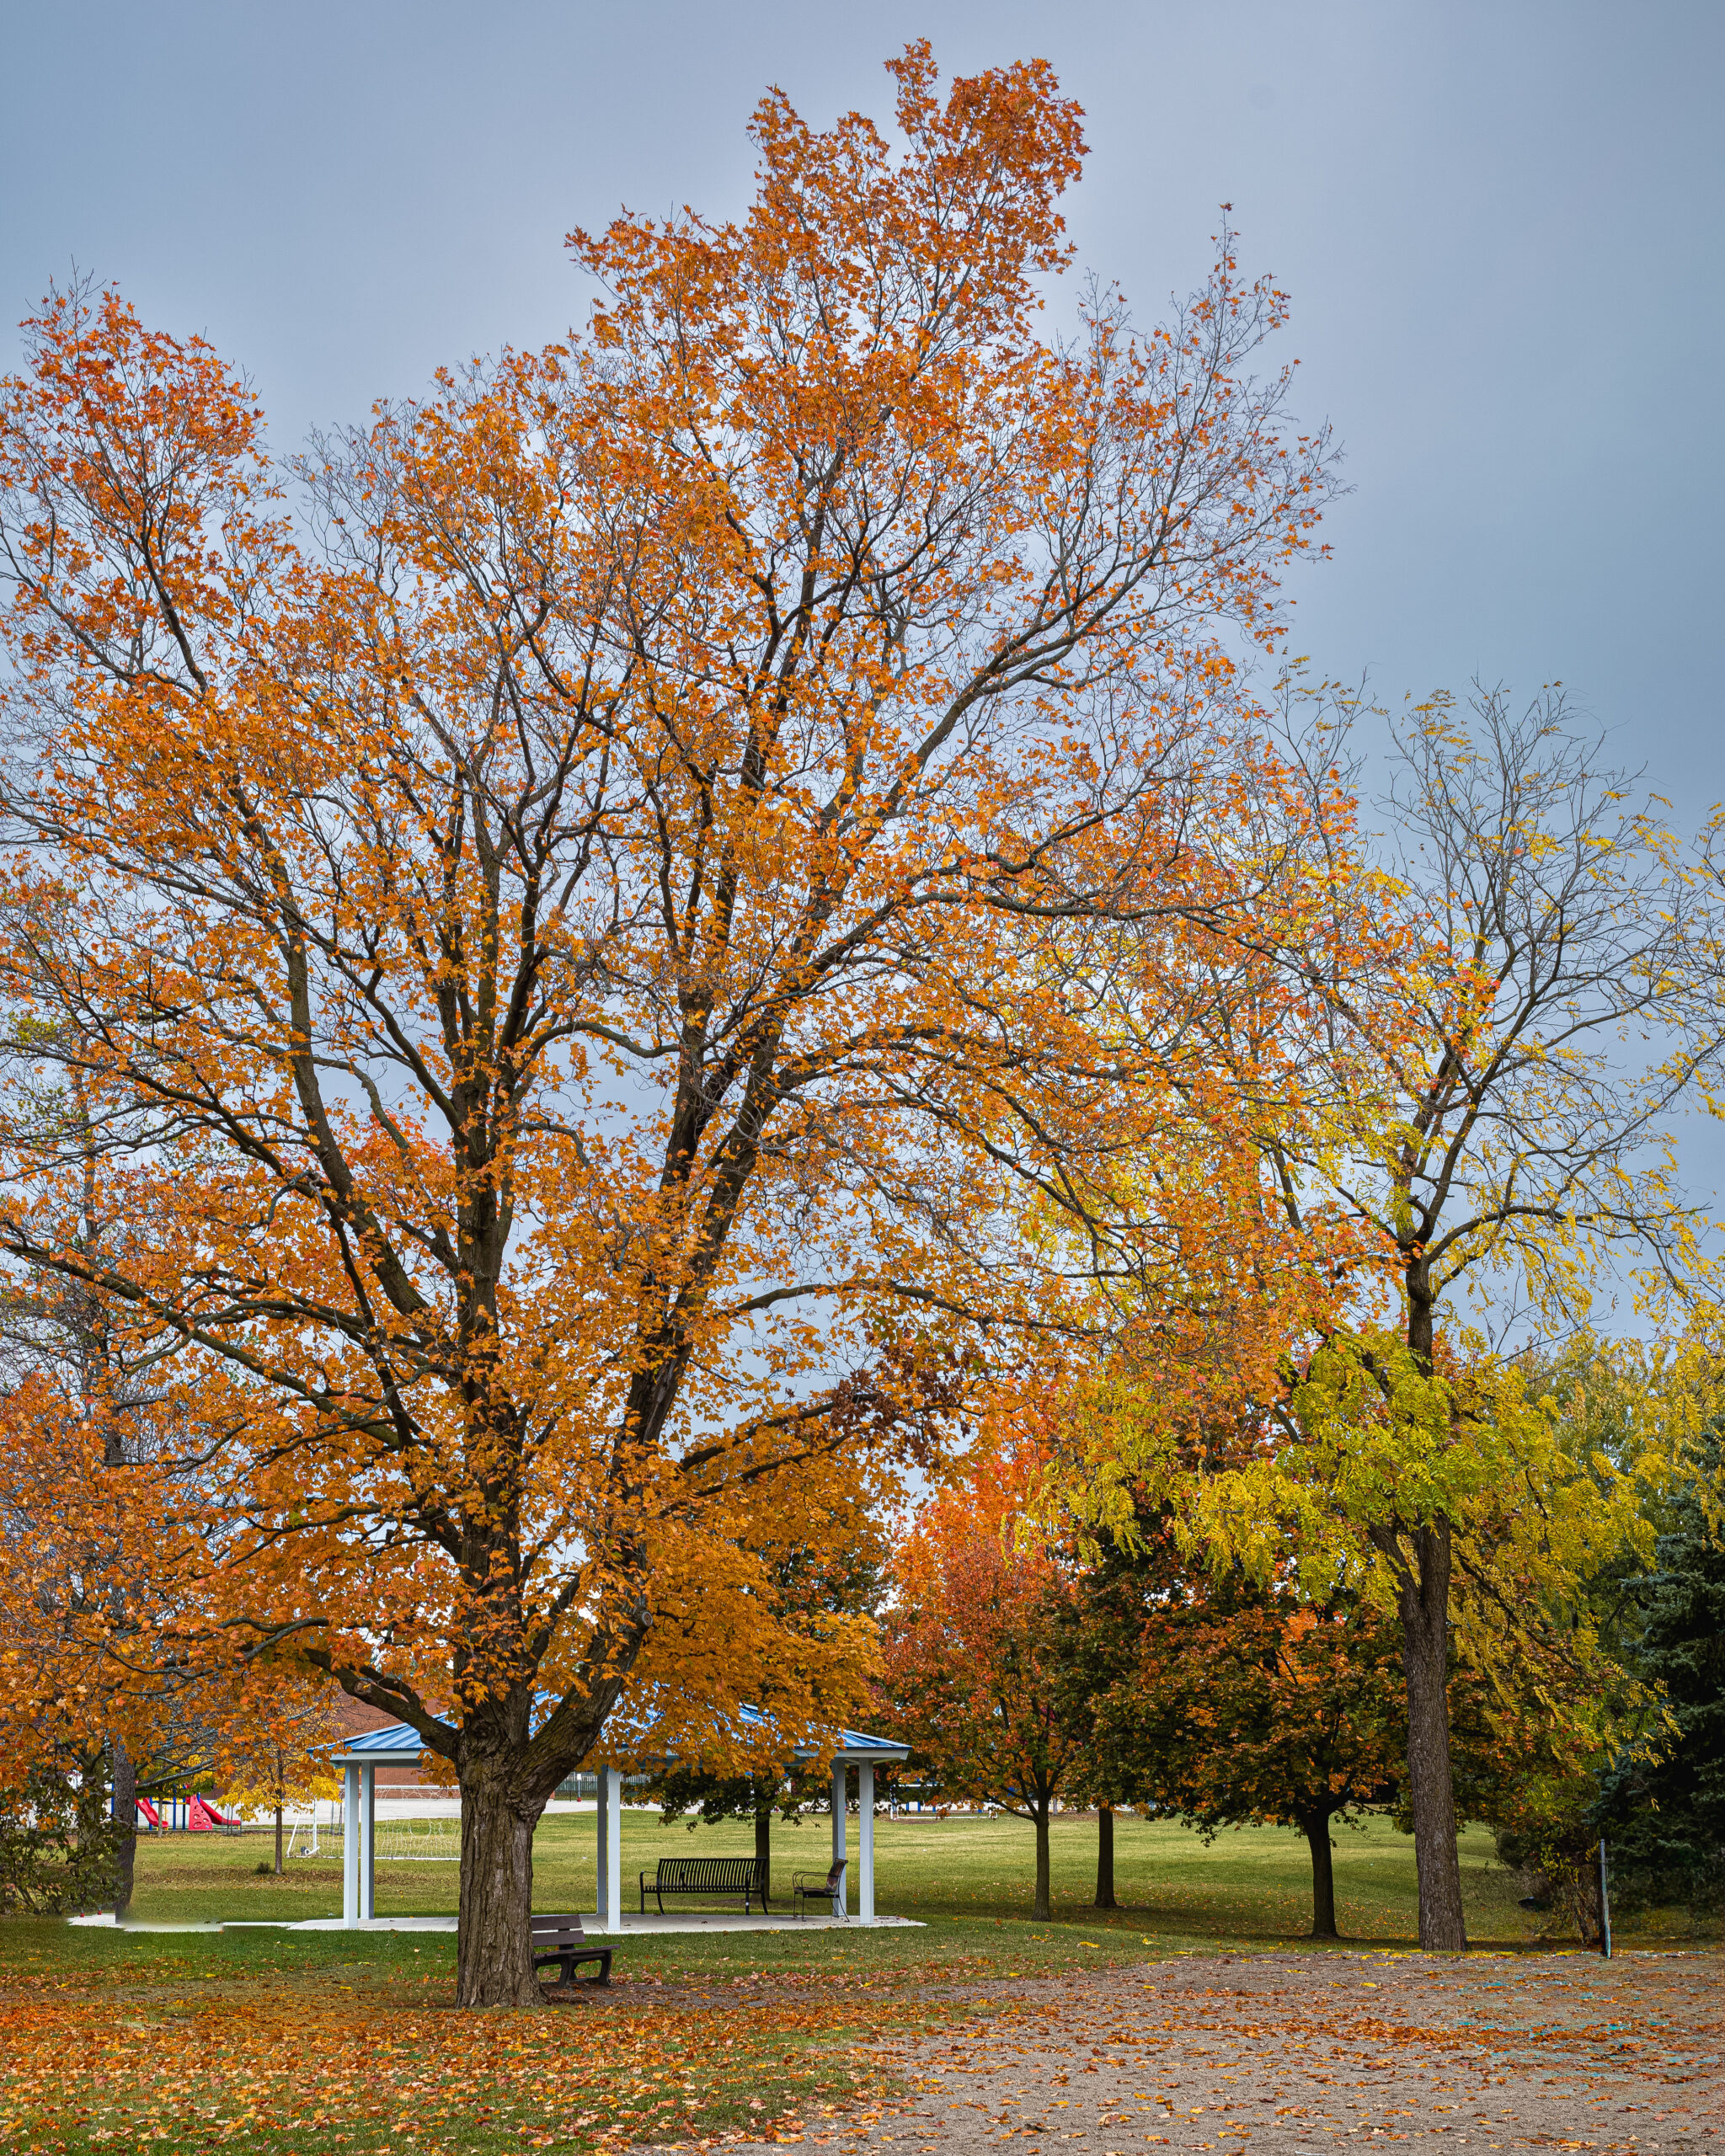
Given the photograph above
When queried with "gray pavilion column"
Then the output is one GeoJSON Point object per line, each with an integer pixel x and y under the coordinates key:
{"type": "Point", "coordinates": [350, 1842]}
{"type": "Point", "coordinates": [865, 1843]}
{"type": "Point", "coordinates": [840, 1776]}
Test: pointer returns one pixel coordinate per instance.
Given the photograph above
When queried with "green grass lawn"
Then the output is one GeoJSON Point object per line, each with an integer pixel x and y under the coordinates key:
{"type": "Point", "coordinates": [276, 2043]}
{"type": "Point", "coordinates": [1253, 1886]}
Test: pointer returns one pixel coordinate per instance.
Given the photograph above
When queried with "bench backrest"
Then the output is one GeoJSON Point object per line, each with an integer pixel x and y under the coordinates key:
{"type": "Point", "coordinates": [554, 1927]}
{"type": "Point", "coordinates": [703, 1871]}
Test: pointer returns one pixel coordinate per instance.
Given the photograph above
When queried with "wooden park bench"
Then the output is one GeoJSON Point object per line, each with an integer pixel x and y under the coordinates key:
{"type": "Point", "coordinates": [711, 1877]}
{"type": "Point", "coordinates": [561, 1940]}
{"type": "Point", "coordinates": [807, 1887]}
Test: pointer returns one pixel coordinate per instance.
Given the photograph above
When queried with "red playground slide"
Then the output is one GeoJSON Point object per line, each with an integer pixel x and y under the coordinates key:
{"type": "Point", "coordinates": [148, 1810]}
{"type": "Point", "coordinates": [203, 1818]}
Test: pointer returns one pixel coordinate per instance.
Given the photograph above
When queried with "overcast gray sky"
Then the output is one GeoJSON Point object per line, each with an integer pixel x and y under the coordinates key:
{"type": "Point", "coordinates": [1500, 224]}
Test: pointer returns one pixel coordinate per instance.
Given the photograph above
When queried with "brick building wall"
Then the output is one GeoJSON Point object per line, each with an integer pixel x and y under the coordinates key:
{"type": "Point", "coordinates": [356, 1718]}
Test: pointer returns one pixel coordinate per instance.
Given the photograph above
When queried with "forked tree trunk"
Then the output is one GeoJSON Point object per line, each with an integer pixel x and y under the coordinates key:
{"type": "Point", "coordinates": [1041, 1817]}
{"type": "Point", "coordinates": [1422, 1600]}
{"type": "Point", "coordinates": [506, 1773]}
{"type": "Point", "coordinates": [125, 1814]}
{"type": "Point", "coordinates": [494, 1953]}
{"type": "Point", "coordinates": [1323, 1875]}
{"type": "Point", "coordinates": [763, 1844]}
{"type": "Point", "coordinates": [1105, 1857]}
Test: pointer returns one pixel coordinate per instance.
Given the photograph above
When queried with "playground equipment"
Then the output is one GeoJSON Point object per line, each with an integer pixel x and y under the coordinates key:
{"type": "Point", "coordinates": [192, 1815]}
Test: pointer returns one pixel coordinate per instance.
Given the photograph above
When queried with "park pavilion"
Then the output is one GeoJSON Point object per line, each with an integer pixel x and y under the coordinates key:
{"type": "Point", "coordinates": [395, 1745]}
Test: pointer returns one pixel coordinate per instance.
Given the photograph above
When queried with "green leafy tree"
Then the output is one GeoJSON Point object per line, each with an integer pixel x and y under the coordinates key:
{"type": "Point", "coordinates": [59, 1845]}
{"type": "Point", "coordinates": [1107, 1630]}
{"type": "Point", "coordinates": [1664, 1815]}
{"type": "Point", "coordinates": [1477, 1115]}
{"type": "Point", "coordinates": [1249, 1703]}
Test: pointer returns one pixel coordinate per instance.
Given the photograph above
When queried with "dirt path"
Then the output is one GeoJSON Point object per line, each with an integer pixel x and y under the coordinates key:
{"type": "Point", "coordinates": [1287, 2052]}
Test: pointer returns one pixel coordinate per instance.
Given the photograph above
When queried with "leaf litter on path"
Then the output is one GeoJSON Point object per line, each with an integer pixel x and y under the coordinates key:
{"type": "Point", "coordinates": [1281, 2053]}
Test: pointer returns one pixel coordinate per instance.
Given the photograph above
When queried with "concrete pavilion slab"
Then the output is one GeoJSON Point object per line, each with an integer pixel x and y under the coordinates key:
{"type": "Point", "coordinates": [633, 1925]}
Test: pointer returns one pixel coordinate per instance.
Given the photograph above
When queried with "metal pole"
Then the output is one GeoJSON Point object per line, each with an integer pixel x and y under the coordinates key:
{"type": "Point", "coordinates": [605, 1916]}
{"type": "Point", "coordinates": [610, 1896]}
{"type": "Point", "coordinates": [614, 1850]}
{"type": "Point", "coordinates": [1605, 1905]}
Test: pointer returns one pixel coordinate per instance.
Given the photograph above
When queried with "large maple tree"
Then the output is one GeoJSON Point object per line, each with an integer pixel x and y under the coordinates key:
{"type": "Point", "coordinates": [542, 897]}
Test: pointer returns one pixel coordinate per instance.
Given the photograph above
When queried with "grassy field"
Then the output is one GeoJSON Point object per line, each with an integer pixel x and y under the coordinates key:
{"type": "Point", "coordinates": [279, 2043]}
{"type": "Point", "coordinates": [1252, 1886]}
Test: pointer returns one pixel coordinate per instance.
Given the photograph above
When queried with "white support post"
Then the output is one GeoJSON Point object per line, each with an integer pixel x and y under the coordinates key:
{"type": "Point", "coordinates": [603, 1913]}
{"type": "Point", "coordinates": [611, 1853]}
{"type": "Point", "coordinates": [865, 1844]}
{"type": "Point", "coordinates": [840, 1777]}
{"type": "Point", "coordinates": [368, 1842]}
{"type": "Point", "coordinates": [350, 1844]}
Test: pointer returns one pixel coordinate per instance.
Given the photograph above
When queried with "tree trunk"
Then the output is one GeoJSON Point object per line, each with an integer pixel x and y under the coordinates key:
{"type": "Point", "coordinates": [1105, 1857]}
{"type": "Point", "coordinates": [1422, 1599]}
{"type": "Point", "coordinates": [494, 1953]}
{"type": "Point", "coordinates": [278, 1841]}
{"type": "Point", "coordinates": [1581, 1890]}
{"type": "Point", "coordinates": [126, 1813]}
{"type": "Point", "coordinates": [1042, 1902]}
{"type": "Point", "coordinates": [763, 1843]}
{"type": "Point", "coordinates": [1323, 1875]}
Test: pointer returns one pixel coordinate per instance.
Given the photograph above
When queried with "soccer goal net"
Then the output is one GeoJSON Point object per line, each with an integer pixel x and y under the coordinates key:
{"type": "Point", "coordinates": [395, 1841]}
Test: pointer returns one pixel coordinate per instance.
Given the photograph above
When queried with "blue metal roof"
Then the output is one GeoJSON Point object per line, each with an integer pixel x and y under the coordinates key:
{"type": "Point", "coordinates": [850, 1740]}
{"type": "Point", "coordinates": [397, 1743]}
{"type": "Point", "coordinates": [396, 1740]}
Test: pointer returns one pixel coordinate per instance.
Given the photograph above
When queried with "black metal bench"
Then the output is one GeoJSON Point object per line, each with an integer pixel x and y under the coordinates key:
{"type": "Point", "coordinates": [560, 1939]}
{"type": "Point", "coordinates": [709, 1876]}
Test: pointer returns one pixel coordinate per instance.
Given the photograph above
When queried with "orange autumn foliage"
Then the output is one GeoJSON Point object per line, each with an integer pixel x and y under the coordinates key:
{"type": "Point", "coordinates": [95, 1566]}
{"type": "Point", "coordinates": [971, 1668]}
{"type": "Point", "coordinates": [232, 2063]}
{"type": "Point", "coordinates": [566, 940]}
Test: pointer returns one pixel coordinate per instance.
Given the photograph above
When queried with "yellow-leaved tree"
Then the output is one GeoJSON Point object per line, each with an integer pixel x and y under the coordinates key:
{"type": "Point", "coordinates": [1488, 1084]}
